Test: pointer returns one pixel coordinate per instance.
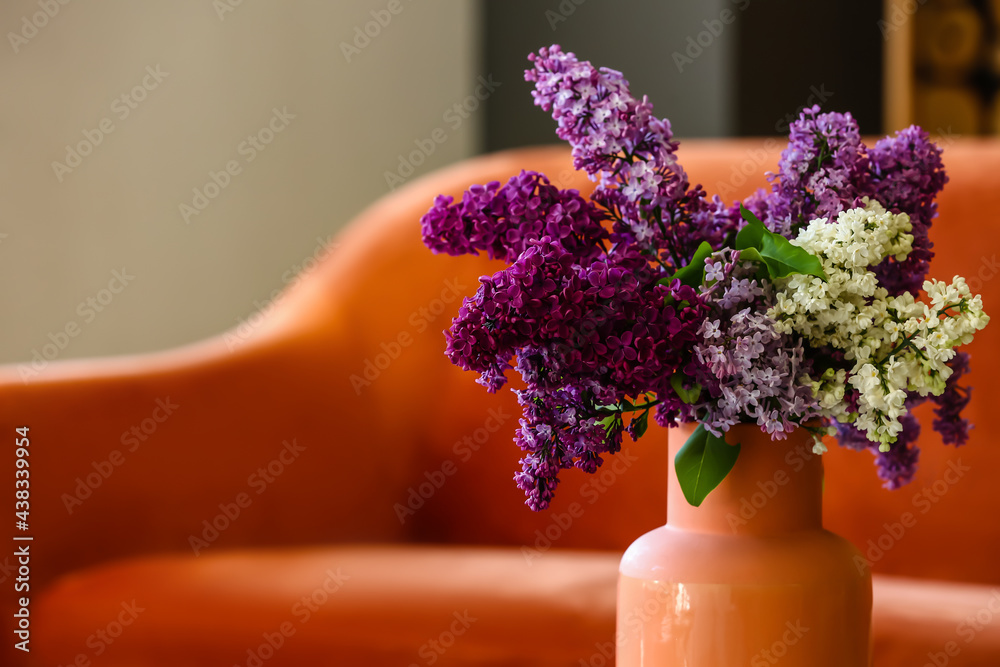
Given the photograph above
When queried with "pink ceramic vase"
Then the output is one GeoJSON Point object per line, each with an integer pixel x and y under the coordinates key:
{"type": "Point", "coordinates": [750, 578]}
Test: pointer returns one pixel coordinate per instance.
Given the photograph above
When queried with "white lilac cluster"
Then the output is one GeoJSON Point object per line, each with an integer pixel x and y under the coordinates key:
{"type": "Point", "coordinates": [898, 345]}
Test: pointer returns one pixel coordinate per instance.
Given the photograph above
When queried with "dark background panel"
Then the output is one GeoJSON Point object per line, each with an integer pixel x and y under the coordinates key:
{"type": "Point", "coordinates": [789, 51]}
{"type": "Point", "coordinates": [717, 68]}
{"type": "Point", "coordinates": [636, 37]}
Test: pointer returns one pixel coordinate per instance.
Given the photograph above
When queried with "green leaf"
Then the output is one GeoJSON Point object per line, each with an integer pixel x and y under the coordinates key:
{"type": "Point", "coordinates": [689, 396]}
{"type": "Point", "coordinates": [693, 274]}
{"type": "Point", "coordinates": [757, 243]}
{"type": "Point", "coordinates": [750, 235]}
{"type": "Point", "coordinates": [641, 423]}
{"type": "Point", "coordinates": [750, 254]}
{"type": "Point", "coordinates": [608, 423]}
{"type": "Point", "coordinates": [702, 463]}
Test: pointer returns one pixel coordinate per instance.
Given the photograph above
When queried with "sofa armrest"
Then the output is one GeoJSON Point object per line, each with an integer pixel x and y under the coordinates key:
{"type": "Point", "coordinates": [188, 450]}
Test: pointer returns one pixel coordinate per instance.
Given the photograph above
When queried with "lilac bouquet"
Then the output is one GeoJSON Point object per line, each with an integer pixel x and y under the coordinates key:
{"type": "Point", "coordinates": [797, 308]}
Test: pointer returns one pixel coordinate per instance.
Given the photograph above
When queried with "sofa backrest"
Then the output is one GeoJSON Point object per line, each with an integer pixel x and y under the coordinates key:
{"type": "Point", "coordinates": [403, 446]}
{"type": "Point", "coordinates": [403, 296]}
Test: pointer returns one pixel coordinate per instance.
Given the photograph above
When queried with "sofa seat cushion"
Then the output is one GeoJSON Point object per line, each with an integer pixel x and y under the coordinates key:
{"type": "Point", "coordinates": [396, 605]}
{"type": "Point", "coordinates": [405, 606]}
{"type": "Point", "coordinates": [922, 622]}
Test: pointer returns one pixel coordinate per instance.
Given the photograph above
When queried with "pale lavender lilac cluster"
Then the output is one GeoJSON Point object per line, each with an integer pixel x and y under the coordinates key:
{"type": "Point", "coordinates": [587, 310]}
{"type": "Point", "coordinates": [746, 369]}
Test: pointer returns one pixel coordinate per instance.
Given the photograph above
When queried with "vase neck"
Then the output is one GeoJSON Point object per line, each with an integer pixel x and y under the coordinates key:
{"type": "Point", "coordinates": [775, 487]}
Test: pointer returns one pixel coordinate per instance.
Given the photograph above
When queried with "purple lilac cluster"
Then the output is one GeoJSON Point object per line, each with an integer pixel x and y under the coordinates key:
{"type": "Point", "coordinates": [906, 175]}
{"type": "Point", "coordinates": [617, 139]}
{"type": "Point", "coordinates": [585, 335]}
{"type": "Point", "coordinates": [949, 423]}
{"type": "Point", "coordinates": [503, 220]}
{"type": "Point", "coordinates": [588, 310]}
{"type": "Point", "coordinates": [822, 172]}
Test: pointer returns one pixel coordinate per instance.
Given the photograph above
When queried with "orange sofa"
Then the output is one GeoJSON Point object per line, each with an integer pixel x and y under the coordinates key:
{"type": "Point", "coordinates": [320, 485]}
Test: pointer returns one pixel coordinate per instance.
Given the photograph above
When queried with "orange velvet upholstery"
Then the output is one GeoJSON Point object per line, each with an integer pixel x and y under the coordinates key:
{"type": "Point", "coordinates": [336, 420]}
{"type": "Point", "coordinates": [397, 605]}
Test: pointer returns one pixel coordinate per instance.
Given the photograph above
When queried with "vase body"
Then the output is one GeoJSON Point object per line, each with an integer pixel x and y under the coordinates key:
{"type": "Point", "coordinates": [750, 578]}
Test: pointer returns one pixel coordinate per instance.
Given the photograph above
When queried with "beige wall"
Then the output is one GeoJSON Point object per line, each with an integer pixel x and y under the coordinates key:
{"type": "Point", "coordinates": [211, 74]}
